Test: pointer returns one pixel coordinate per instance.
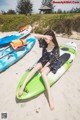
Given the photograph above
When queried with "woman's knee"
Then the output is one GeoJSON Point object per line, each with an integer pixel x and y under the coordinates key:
{"type": "Point", "coordinates": [39, 66]}
{"type": "Point", "coordinates": [45, 71]}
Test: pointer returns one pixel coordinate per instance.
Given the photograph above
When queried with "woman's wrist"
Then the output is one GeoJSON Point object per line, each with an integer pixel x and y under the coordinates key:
{"type": "Point", "coordinates": [43, 36]}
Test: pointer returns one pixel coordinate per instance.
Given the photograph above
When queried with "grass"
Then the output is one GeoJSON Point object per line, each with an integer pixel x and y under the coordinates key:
{"type": "Point", "coordinates": [60, 23]}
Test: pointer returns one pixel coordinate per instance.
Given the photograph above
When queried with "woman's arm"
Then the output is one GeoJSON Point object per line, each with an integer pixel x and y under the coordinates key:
{"type": "Point", "coordinates": [38, 36]}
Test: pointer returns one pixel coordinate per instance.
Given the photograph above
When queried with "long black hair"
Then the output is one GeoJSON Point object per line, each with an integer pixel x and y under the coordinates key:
{"type": "Point", "coordinates": [56, 52]}
{"type": "Point", "coordinates": [43, 44]}
{"type": "Point", "coordinates": [51, 33]}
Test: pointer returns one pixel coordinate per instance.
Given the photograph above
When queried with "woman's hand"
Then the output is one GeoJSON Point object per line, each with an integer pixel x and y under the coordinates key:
{"type": "Point", "coordinates": [47, 37]}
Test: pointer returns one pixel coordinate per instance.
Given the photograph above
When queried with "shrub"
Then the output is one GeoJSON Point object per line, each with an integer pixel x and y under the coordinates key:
{"type": "Point", "coordinates": [76, 24]}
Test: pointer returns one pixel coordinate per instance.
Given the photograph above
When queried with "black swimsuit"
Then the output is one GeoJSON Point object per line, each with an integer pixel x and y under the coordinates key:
{"type": "Point", "coordinates": [51, 57]}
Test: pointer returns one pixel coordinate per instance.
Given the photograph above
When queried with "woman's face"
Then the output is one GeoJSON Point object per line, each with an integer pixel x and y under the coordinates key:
{"type": "Point", "coordinates": [48, 39]}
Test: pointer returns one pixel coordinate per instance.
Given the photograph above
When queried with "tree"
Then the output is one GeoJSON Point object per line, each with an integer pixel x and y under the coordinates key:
{"type": "Point", "coordinates": [24, 7]}
{"type": "Point", "coordinates": [11, 12]}
{"type": "Point", "coordinates": [48, 3]}
{"type": "Point", "coordinates": [64, 12]}
{"type": "Point", "coordinates": [59, 11]}
{"type": "Point", "coordinates": [3, 12]}
{"type": "Point", "coordinates": [75, 10]}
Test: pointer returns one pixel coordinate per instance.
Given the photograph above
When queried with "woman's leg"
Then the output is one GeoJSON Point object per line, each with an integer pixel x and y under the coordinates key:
{"type": "Point", "coordinates": [44, 76]}
{"type": "Point", "coordinates": [32, 72]}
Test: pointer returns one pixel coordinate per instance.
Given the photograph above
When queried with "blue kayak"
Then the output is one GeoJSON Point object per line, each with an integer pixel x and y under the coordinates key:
{"type": "Point", "coordinates": [7, 39]}
{"type": "Point", "coordinates": [13, 56]}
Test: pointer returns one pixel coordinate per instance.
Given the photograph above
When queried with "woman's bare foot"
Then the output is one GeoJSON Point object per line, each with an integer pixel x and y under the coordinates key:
{"type": "Point", "coordinates": [20, 91]}
{"type": "Point", "coordinates": [51, 104]}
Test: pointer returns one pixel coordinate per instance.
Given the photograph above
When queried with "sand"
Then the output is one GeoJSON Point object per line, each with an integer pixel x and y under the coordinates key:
{"type": "Point", "coordinates": [65, 93]}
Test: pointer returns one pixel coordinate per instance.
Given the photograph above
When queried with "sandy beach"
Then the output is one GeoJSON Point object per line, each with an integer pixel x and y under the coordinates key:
{"type": "Point", "coordinates": [65, 93]}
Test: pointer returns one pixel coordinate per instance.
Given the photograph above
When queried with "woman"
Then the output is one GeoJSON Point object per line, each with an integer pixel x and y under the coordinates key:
{"type": "Point", "coordinates": [46, 63]}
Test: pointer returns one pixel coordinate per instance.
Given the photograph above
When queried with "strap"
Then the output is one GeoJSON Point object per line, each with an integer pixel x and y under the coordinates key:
{"type": "Point", "coordinates": [18, 43]}
{"type": "Point", "coordinates": [22, 41]}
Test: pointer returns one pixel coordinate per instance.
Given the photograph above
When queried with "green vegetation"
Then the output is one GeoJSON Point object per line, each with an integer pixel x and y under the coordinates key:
{"type": "Point", "coordinates": [60, 23]}
{"type": "Point", "coordinates": [24, 7]}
